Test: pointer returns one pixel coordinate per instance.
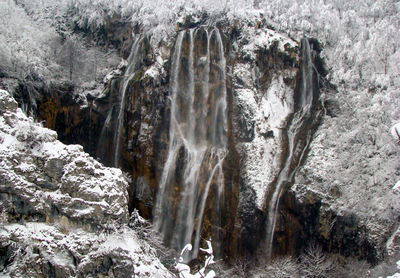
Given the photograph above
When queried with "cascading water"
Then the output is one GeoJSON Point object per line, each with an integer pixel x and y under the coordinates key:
{"type": "Point", "coordinates": [298, 140]}
{"type": "Point", "coordinates": [133, 64]}
{"type": "Point", "coordinates": [197, 138]}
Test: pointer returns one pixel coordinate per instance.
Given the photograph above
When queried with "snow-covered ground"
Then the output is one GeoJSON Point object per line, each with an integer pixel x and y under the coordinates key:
{"type": "Point", "coordinates": [36, 249]}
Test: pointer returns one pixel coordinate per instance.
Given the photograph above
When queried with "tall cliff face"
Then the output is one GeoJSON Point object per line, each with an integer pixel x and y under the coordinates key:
{"type": "Point", "coordinates": [259, 78]}
{"type": "Point", "coordinates": [212, 126]}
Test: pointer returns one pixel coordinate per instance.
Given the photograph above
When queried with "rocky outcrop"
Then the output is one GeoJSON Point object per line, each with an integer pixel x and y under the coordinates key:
{"type": "Point", "coordinates": [36, 168]}
{"type": "Point", "coordinates": [61, 106]}
{"type": "Point", "coordinates": [63, 213]}
{"type": "Point", "coordinates": [306, 218]}
{"type": "Point", "coordinates": [37, 249]}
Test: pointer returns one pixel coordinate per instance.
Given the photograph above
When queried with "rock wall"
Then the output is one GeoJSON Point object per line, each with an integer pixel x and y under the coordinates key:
{"type": "Point", "coordinates": [263, 75]}
{"type": "Point", "coordinates": [308, 219]}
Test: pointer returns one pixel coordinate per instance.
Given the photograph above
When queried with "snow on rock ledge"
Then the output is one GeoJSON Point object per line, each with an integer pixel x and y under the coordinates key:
{"type": "Point", "coordinates": [263, 102]}
{"type": "Point", "coordinates": [57, 205]}
{"type": "Point", "coordinates": [42, 250]}
{"type": "Point", "coordinates": [269, 117]}
{"type": "Point", "coordinates": [43, 179]}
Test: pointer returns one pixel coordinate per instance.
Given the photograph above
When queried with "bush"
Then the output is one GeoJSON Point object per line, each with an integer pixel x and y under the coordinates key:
{"type": "Point", "coordinates": [314, 263]}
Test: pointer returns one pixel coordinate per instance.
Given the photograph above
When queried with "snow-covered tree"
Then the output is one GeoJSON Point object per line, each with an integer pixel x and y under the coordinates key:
{"type": "Point", "coordinates": [71, 56]}
{"type": "Point", "coordinates": [315, 263]}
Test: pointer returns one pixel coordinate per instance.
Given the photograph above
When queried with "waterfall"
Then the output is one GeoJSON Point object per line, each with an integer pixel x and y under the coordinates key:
{"type": "Point", "coordinates": [298, 141]}
{"type": "Point", "coordinates": [133, 65]}
{"type": "Point", "coordinates": [101, 150]}
{"type": "Point", "coordinates": [109, 150]}
{"type": "Point", "coordinates": [197, 138]}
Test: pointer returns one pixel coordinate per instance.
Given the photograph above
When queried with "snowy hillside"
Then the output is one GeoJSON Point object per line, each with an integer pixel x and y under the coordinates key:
{"type": "Point", "coordinates": [360, 39]}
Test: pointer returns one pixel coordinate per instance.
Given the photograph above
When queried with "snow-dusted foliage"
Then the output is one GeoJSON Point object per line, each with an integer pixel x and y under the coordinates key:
{"type": "Point", "coordinates": [158, 17]}
{"type": "Point", "coordinates": [25, 46]}
{"type": "Point", "coordinates": [62, 211]}
{"type": "Point", "coordinates": [361, 39]}
{"type": "Point", "coordinates": [36, 43]}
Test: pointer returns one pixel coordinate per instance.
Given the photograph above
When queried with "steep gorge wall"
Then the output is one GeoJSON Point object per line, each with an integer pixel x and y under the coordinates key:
{"type": "Point", "coordinates": [274, 66]}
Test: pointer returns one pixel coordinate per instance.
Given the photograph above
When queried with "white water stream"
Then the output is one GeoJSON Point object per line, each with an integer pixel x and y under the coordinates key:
{"type": "Point", "coordinates": [133, 64]}
{"type": "Point", "coordinates": [197, 138]}
{"type": "Point", "coordinates": [301, 115]}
